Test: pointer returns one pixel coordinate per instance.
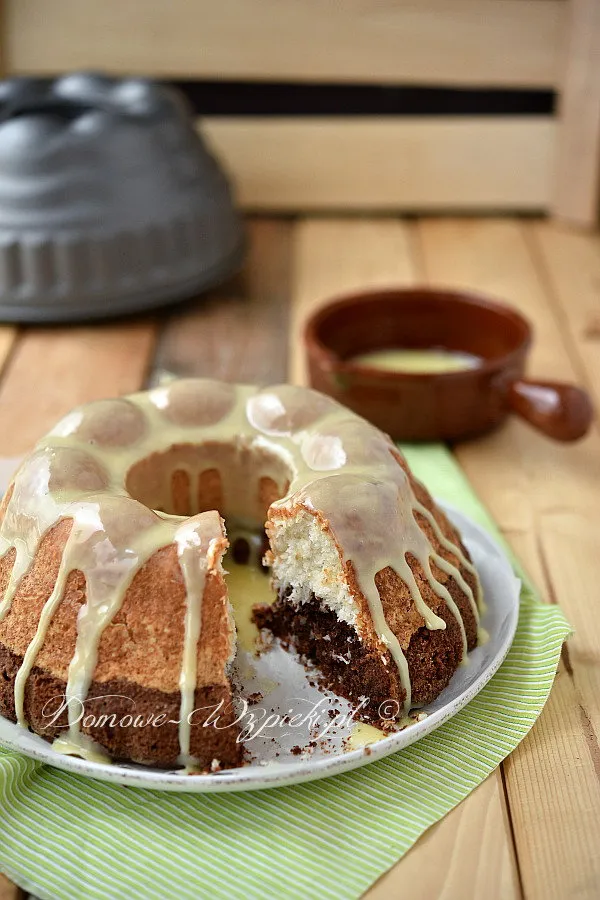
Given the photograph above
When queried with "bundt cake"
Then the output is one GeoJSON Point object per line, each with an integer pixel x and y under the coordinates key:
{"type": "Point", "coordinates": [115, 628]}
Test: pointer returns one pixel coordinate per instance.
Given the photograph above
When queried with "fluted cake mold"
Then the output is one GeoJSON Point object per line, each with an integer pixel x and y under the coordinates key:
{"type": "Point", "coordinates": [110, 202]}
{"type": "Point", "coordinates": [111, 582]}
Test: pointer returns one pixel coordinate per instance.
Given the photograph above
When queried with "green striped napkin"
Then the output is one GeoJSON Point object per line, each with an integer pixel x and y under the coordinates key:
{"type": "Point", "coordinates": [65, 836]}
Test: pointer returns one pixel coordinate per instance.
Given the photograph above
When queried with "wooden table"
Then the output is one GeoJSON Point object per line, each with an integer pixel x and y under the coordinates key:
{"type": "Point", "coordinates": [533, 828]}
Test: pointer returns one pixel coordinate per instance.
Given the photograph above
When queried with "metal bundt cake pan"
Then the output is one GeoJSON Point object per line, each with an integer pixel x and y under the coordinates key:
{"type": "Point", "coordinates": [109, 201]}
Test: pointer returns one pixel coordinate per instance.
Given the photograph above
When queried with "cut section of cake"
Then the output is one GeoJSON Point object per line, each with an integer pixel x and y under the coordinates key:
{"type": "Point", "coordinates": [374, 587]}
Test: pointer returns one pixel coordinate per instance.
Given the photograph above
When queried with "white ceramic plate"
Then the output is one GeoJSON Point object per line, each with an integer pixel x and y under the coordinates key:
{"type": "Point", "coordinates": [281, 754]}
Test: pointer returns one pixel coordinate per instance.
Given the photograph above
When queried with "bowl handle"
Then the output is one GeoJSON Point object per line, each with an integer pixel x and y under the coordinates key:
{"type": "Point", "coordinates": [562, 411]}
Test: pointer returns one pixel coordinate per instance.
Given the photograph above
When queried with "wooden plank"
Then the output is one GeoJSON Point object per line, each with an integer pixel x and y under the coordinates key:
{"type": "Point", "coordinates": [3, 35]}
{"type": "Point", "coordinates": [52, 370]}
{"type": "Point", "coordinates": [546, 497]}
{"type": "Point", "coordinates": [571, 265]}
{"type": "Point", "coordinates": [8, 338]}
{"type": "Point", "coordinates": [577, 179]}
{"type": "Point", "coordinates": [8, 890]}
{"type": "Point", "coordinates": [545, 803]}
{"type": "Point", "coordinates": [238, 332]}
{"type": "Point", "coordinates": [8, 335]}
{"type": "Point", "coordinates": [552, 777]}
{"type": "Point", "coordinates": [461, 871]}
{"type": "Point", "coordinates": [564, 806]}
{"type": "Point", "coordinates": [412, 163]}
{"type": "Point", "coordinates": [333, 257]}
{"type": "Point", "coordinates": [441, 42]}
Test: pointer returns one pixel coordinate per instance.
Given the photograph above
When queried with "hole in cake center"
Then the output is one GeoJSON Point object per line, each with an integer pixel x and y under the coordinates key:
{"type": "Point", "coordinates": [240, 482]}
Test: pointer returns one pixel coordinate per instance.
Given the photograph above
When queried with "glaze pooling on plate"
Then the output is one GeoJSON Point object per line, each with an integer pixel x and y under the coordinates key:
{"type": "Point", "coordinates": [315, 454]}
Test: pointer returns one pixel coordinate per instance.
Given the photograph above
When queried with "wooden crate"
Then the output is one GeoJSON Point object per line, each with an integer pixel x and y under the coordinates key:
{"type": "Point", "coordinates": [526, 163]}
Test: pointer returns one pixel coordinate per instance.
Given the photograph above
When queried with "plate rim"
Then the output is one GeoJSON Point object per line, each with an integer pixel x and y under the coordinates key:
{"type": "Point", "coordinates": [256, 777]}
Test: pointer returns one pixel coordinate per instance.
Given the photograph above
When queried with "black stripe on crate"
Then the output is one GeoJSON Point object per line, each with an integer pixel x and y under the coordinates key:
{"type": "Point", "coordinates": [231, 98]}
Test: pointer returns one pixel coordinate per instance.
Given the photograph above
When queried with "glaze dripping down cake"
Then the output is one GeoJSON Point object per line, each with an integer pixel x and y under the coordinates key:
{"type": "Point", "coordinates": [113, 597]}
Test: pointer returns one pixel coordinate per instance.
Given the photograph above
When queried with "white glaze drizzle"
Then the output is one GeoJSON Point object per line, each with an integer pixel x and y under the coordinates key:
{"type": "Point", "coordinates": [31, 653]}
{"type": "Point", "coordinates": [196, 551]}
{"type": "Point", "coordinates": [104, 597]}
{"type": "Point", "coordinates": [474, 599]}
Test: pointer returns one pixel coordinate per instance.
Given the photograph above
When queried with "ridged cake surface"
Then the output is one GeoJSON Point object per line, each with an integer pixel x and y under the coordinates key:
{"type": "Point", "coordinates": [113, 592]}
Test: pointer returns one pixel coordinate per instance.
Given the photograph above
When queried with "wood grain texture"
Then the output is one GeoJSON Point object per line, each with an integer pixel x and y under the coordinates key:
{"type": "Point", "coordinates": [374, 163]}
{"type": "Point", "coordinates": [438, 42]}
{"type": "Point", "coordinates": [3, 35]}
{"type": "Point", "coordinates": [8, 890]}
{"type": "Point", "coordinates": [332, 257]}
{"type": "Point", "coordinates": [8, 337]}
{"type": "Point", "coordinates": [554, 818]}
{"type": "Point", "coordinates": [552, 815]}
{"type": "Point", "coordinates": [570, 265]}
{"type": "Point", "coordinates": [239, 332]}
{"type": "Point", "coordinates": [461, 871]}
{"type": "Point", "coordinates": [54, 369]}
{"type": "Point", "coordinates": [546, 499]}
{"type": "Point", "coordinates": [577, 178]}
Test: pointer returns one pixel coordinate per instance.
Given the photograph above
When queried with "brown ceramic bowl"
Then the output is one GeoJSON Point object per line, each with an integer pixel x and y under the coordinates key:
{"type": "Point", "coordinates": [449, 406]}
